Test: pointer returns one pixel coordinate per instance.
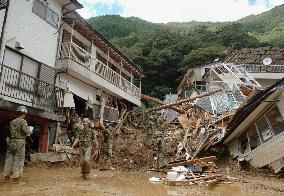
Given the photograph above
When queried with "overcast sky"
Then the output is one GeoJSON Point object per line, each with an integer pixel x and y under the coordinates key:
{"type": "Point", "coordinates": [164, 11]}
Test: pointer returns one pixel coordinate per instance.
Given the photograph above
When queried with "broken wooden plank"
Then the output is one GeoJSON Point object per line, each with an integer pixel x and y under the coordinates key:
{"type": "Point", "coordinates": [181, 101]}
{"type": "Point", "coordinates": [121, 120]}
{"type": "Point", "coordinates": [158, 101]}
{"type": "Point", "coordinates": [190, 162]}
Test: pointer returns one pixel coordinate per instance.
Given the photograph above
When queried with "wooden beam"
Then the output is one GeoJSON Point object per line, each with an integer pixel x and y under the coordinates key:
{"type": "Point", "coordinates": [190, 162]}
{"type": "Point", "coordinates": [158, 101]}
{"type": "Point", "coordinates": [182, 101]}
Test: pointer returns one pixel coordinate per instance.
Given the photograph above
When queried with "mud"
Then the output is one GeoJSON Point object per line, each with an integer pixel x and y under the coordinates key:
{"type": "Point", "coordinates": [67, 181]}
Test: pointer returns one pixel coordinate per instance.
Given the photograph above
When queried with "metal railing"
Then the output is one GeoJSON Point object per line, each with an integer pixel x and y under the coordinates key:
{"type": "Point", "coordinates": [32, 91]}
{"type": "Point", "coordinates": [264, 68]}
{"type": "Point", "coordinates": [72, 51]}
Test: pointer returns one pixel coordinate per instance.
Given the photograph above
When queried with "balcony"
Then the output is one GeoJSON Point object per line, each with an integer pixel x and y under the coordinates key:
{"type": "Point", "coordinates": [265, 71]}
{"type": "Point", "coordinates": [18, 87]}
{"type": "Point", "coordinates": [85, 66]}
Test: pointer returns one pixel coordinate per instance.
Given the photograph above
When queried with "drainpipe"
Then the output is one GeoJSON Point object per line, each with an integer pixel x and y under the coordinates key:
{"type": "Point", "coordinates": [4, 26]}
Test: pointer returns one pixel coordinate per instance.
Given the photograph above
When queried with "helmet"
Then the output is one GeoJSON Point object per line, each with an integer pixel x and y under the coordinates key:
{"type": "Point", "coordinates": [86, 121]}
{"type": "Point", "coordinates": [22, 109]}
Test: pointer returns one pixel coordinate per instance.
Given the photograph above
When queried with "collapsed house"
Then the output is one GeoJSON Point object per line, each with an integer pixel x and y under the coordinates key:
{"type": "Point", "coordinates": [235, 82]}
{"type": "Point", "coordinates": [256, 132]}
{"type": "Point", "coordinates": [54, 62]}
{"type": "Point", "coordinates": [265, 64]}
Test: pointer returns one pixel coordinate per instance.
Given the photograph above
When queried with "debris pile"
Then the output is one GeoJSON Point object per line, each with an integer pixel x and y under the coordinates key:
{"type": "Point", "coordinates": [195, 171]}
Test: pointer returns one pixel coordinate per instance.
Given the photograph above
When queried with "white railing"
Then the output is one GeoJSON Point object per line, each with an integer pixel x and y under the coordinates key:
{"type": "Point", "coordinates": [264, 68]}
{"type": "Point", "coordinates": [72, 51]}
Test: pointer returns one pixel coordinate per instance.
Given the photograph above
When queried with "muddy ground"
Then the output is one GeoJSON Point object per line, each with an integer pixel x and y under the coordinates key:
{"type": "Point", "coordinates": [66, 181]}
{"type": "Point", "coordinates": [127, 173]}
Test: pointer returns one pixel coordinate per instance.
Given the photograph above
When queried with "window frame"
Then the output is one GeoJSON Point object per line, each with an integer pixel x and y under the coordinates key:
{"type": "Point", "coordinates": [21, 73]}
{"type": "Point", "coordinates": [45, 15]}
{"type": "Point", "coordinates": [262, 141]}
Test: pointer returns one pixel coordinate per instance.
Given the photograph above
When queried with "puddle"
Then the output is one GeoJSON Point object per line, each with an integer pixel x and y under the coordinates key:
{"type": "Point", "coordinates": [67, 181]}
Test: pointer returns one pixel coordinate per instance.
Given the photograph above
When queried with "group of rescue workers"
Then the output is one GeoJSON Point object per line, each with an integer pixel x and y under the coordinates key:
{"type": "Point", "coordinates": [85, 138]}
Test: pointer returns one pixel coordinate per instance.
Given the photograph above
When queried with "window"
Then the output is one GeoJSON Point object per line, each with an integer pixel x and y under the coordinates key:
{"type": "Point", "coordinates": [200, 85]}
{"type": "Point", "coordinates": [264, 129]}
{"type": "Point", "coordinates": [45, 13]}
{"type": "Point", "coordinates": [254, 139]}
{"type": "Point", "coordinates": [243, 143]}
{"type": "Point", "coordinates": [24, 65]}
{"type": "Point", "coordinates": [275, 120]}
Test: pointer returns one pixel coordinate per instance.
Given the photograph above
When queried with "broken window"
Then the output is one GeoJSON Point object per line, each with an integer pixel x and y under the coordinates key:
{"type": "Point", "coordinates": [264, 129]}
{"type": "Point", "coordinates": [253, 137]}
{"type": "Point", "coordinates": [201, 85]}
{"type": "Point", "coordinates": [276, 120]}
{"type": "Point", "coordinates": [243, 143]}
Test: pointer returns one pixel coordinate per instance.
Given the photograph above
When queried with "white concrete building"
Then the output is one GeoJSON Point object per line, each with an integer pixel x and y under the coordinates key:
{"type": "Point", "coordinates": [47, 49]}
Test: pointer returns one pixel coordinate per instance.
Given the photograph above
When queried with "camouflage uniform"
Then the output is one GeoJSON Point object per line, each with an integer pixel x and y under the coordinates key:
{"type": "Point", "coordinates": [150, 132]}
{"type": "Point", "coordinates": [161, 144]}
{"type": "Point", "coordinates": [15, 155]}
{"type": "Point", "coordinates": [108, 140]}
{"type": "Point", "coordinates": [86, 138]}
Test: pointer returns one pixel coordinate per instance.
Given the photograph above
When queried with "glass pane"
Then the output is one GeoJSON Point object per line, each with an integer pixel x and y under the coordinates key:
{"type": "Point", "coordinates": [264, 129]}
{"type": "Point", "coordinates": [12, 59]}
{"type": "Point", "coordinates": [30, 67]}
{"type": "Point", "coordinates": [51, 17]}
{"type": "Point", "coordinates": [253, 137]}
{"type": "Point", "coordinates": [243, 143]}
{"type": "Point", "coordinates": [39, 9]}
{"type": "Point", "coordinates": [276, 120]}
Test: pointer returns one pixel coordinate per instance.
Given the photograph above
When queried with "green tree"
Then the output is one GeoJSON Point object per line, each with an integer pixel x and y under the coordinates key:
{"type": "Point", "coordinates": [161, 91]}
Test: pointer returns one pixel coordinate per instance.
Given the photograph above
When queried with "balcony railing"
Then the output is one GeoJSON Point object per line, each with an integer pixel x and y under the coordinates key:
{"type": "Point", "coordinates": [72, 51]}
{"type": "Point", "coordinates": [264, 68]}
{"type": "Point", "coordinates": [29, 90]}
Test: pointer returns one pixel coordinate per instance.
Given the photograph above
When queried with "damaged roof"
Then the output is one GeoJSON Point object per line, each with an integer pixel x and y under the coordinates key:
{"type": "Point", "coordinates": [256, 56]}
{"type": "Point", "coordinates": [251, 105]}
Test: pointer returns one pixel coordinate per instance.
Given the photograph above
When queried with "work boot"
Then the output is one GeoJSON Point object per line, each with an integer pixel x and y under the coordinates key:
{"type": "Point", "coordinates": [86, 177]}
{"type": "Point", "coordinates": [6, 179]}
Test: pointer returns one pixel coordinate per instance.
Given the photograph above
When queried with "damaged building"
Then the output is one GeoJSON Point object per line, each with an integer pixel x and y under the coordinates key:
{"type": "Point", "coordinates": [256, 132]}
{"type": "Point", "coordinates": [52, 60]}
{"type": "Point", "coordinates": [265, 64]}
{"type": "Point", "coordinates": [235, 82]}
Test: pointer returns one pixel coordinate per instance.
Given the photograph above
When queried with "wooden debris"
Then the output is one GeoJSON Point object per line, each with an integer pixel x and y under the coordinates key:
{"type": "Point", "coordinates": [190, 162]}
{"type": "Point", "coordinates": [188, 100]}
{"type": "Point", "coordinates": [158, 101]}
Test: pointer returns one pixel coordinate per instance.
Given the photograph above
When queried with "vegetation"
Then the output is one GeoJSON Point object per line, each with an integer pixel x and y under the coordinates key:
{"type": "Point", "coordinates": [166, 51]}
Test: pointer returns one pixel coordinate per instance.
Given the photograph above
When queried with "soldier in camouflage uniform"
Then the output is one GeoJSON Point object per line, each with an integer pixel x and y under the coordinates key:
{"type": "Point", "coordinates": [161, 143]}
{"type": "Point", "coordinates": [15, 155]}
{"type": "Point", "coordinates": [86, 138]}
{"type": "Point", "coordinates": [108, 139]}
{"type": "Point", "coordinates": [150, 130]}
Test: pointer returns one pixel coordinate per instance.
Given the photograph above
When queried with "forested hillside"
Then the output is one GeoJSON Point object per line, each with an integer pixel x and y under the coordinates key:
{"type": "Point", "coordinates": [165, 51]}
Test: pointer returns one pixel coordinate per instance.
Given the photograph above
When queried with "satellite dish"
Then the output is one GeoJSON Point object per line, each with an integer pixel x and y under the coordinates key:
{"type": "Point", "coordinates": [216, 60]}
{"type": "Point", "coordinates": [267, 61]}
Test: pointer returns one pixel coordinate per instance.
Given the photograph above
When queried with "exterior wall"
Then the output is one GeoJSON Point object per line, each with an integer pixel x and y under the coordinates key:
{"type": "Point", "coordinates": [268, 152]}
{"type": "Point", "coordinates": [79, 88]}
{"type": "Point", "coordinates": [39, 39]}
{"type": "Point", "coordinates": [2, 14]}
{"type": "Point", "coordinates": [280, 104]}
